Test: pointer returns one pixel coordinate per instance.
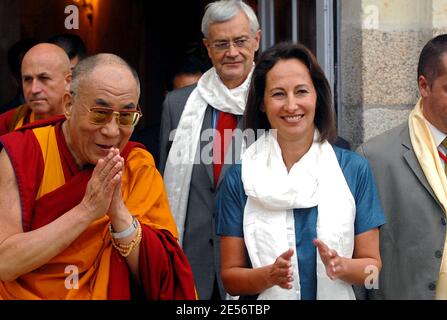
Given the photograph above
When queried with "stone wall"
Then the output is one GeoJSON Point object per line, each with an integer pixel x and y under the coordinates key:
{"type": "Point", "coordinates": [380, 43]}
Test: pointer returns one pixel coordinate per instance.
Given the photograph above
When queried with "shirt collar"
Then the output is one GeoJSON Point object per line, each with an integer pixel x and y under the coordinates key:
{"type": "Point", "coordinates": [437, 135]}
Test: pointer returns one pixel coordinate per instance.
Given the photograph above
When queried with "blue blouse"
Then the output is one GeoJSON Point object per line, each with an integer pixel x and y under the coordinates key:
{"type": "Point", "coordinates": [231, 201]}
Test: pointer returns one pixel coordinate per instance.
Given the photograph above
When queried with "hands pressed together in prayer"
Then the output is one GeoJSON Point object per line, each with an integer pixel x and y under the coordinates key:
{"type": "Point", "coordinates": [103, 193]}
{"type": "Point", "coordinates": [103, 196]}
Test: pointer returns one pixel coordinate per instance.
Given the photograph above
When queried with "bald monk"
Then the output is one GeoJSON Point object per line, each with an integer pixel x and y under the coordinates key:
{"type": "Point", "coordinates": [46, 79]}
{"type": "Point", "coordinates": [89, 219]}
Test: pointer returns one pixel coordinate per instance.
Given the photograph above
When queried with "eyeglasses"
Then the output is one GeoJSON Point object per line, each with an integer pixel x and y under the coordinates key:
{"type": "Point", "coordinates": [225, 45]}
{"type": "Point", "coordinates": [126, 118]}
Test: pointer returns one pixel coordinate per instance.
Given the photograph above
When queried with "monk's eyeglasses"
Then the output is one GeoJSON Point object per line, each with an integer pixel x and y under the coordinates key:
{"type": "Point", "coordinates": [125, 118]}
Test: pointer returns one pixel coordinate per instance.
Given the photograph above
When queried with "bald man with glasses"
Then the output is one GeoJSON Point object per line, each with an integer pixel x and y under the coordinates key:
{"type": "Point", "coordinates": [84, 212]}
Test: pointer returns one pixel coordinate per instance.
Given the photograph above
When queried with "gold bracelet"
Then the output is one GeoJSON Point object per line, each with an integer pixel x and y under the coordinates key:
{"type": "Point", "coordinates": [126, 249]}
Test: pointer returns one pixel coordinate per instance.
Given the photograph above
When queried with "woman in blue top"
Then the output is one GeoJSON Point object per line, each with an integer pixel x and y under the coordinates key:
{"type": "Point", "coordinates": [298, 218]}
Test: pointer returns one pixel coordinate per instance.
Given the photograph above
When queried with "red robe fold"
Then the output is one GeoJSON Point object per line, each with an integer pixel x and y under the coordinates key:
{"type": "Point", "coordinates": [15, 118]}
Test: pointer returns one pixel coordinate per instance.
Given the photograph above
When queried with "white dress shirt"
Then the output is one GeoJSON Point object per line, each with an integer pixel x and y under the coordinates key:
{"type": "Point", "coordinates": [438, 137]}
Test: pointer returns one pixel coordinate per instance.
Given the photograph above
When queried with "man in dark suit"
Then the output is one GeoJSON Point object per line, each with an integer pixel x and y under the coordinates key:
{"type": "Point", "coordinates": [195, 163]}
{"type": "Point", "coordinates": [408, 163]}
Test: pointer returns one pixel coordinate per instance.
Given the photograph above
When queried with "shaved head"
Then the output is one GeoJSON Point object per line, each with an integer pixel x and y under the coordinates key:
{"type": "Point", "coordinates": [48, 51]}
{"type": "Point", "coordinates": [46, 79]}
{"type": "Point", "coordinates": [84, 69]}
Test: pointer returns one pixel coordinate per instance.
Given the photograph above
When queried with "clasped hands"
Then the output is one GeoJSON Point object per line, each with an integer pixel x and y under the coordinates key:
{"type": "Point", "coordinates": [103, 192]}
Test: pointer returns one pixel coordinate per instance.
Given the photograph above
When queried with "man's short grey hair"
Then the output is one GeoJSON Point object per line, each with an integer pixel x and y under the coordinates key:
{"type": "Point", "coordinates": [86, 66]}
{"type": "Point", "coordinates": [224, 10]}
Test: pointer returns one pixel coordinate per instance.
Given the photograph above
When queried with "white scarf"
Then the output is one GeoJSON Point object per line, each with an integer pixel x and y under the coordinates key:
{"type": "Point", "coordinates": [269, 228]}
{"type": "Point", "coordinates": [211, 91]}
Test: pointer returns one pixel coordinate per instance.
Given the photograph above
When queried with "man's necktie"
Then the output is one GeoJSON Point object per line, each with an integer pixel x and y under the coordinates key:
{"type": "Point", "coordinates": [443, 155]}
{"type": "Point", "coordinates": [226, 123]}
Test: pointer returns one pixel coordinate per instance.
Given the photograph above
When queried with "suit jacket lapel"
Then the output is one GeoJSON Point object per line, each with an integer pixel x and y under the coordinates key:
{"type": "Point", "coordinates": [207, 144]}
{"type": "Point", "coordinates": [413, 163]}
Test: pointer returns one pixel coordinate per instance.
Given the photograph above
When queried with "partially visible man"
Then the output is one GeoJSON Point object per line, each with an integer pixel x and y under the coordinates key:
{"type": "Point", "coordinates": [216, 104]}
{"type": "Point", "coordinates": [189, 72]}
{"type": "Point", "coordinates": [409, 164]}
{"type": "Point", "coordinates": [184, 79]}
{"type": "Point", "coordinates": [73, 46]}
{"type": "Point", "coordinates": [84, 213]}
{"type": "Point", "coordinates": [46, 80]}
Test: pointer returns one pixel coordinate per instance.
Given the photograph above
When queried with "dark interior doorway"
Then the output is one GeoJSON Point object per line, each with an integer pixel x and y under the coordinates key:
{"type": "Point", "coordinates": [151, 37]}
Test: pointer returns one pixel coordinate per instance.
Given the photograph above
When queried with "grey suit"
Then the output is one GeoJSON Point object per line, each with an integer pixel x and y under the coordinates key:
{"type": "Point", "coordinates": [200, 243]}
{"type": "Point", "coordinates": [412, 241]}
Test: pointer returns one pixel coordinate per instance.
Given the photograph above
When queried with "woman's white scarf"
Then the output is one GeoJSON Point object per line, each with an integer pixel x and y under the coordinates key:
{"type": "Point", "coordinates": [211, 91]}
{"type": "Point", "coordinates": [269, 228]}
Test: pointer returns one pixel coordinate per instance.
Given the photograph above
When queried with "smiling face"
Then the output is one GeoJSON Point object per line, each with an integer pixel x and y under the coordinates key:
{"type": "Point", "coordinates": [290, 101]}
{"type": "Point", "coordinates": [45, 79]}
{"type": "Point", "coordinates": [109, 86]}
{"type": "Point", "coordinates": [235, 63]}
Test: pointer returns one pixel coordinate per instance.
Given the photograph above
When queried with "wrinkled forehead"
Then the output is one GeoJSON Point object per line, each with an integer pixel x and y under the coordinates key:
{"type": "Point", "coordinates": [117, 75]}
{"type": "Point", "coordinates": [114, 85]}
{"type": "Point", "coordinates": [46, 57]}
{"type": "Point", "coordinates": [43, 64]}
